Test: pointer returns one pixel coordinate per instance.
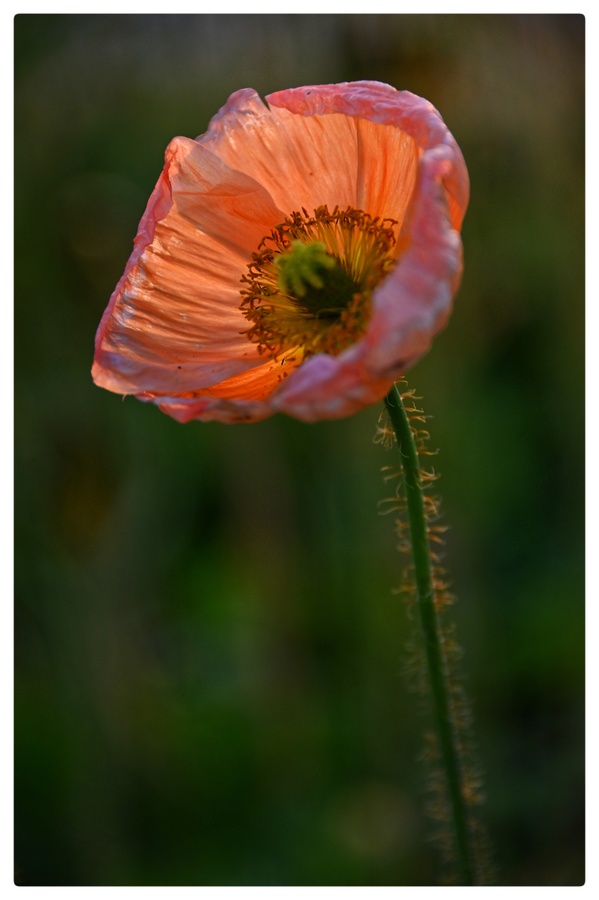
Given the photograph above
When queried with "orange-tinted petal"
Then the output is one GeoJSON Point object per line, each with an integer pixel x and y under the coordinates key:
{"type": "Point", "coordinates": [301, 164]}
{"type": "Point", "coordinates": [372, 101]}
{"type": "Point", "coordinates": [174, 319]}
{"type": "Point", "coordinates": [308, 161]}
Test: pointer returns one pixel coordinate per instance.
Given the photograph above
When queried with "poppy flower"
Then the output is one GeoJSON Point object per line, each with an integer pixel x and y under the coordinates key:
{"type": "Point", "coordinates": [298, 257]}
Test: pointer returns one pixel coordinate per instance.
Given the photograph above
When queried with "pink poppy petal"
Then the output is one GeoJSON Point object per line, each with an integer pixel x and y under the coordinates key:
{"type": "Point", "coordinates": [373, 101]}
{"type": "Point", "coordinates": [330, 387]}
{"type": "Point", "coordinates": [209, 409]}
{"type": "Point", "coordinates": [301, 164]}
{"type": "Point", "coordinates": [414, 302]}
{"type": "Point", "coordinates": [241, 398]}
{"type": "Point", "coordinates": [308, 160]}
{"type": "Point", "coordinates": [173, 322]}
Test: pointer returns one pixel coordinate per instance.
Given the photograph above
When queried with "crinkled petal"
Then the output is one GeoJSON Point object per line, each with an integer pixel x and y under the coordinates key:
{"type": "Point", "coordinates": [174, 318]}
{"type": "Point", "coordinates": [425, 279]}
{"type": "Point", "coordinates": [380, 103]}
{"type": "Point", "coordinates": [211, 409]}
{"type": "Point", "coordinates": [307, 160]}
{"type": "Point", "coordinates": [301, 163]}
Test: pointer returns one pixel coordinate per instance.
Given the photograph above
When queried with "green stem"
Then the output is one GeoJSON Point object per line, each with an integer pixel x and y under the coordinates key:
{"type": "Point", "coordinates": [437, 668]}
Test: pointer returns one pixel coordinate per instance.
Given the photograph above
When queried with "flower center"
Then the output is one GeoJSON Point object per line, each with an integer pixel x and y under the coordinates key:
{"type": "Point", "coordinates": [309, 285]}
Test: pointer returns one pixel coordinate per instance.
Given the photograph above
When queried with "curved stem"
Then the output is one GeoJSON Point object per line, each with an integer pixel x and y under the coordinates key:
{"type": "Point", "coordinates": [437, 668]}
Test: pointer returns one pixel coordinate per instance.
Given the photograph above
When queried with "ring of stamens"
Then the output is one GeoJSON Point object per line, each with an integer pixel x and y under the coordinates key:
{"type": "Point", "coordinates": [309, 286]}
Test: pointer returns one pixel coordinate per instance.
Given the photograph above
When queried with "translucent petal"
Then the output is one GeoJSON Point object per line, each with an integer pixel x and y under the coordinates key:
{"type": "Point", "coordinates": [174, 319]}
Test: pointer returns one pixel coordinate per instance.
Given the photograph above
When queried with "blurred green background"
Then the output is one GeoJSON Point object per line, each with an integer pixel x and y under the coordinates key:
{"type": "Point", "coordinates": [209, 656]}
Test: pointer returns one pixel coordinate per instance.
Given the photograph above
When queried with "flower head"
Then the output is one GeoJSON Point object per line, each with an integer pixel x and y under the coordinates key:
{"type": "Point", "coordinates": [296, 258]}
